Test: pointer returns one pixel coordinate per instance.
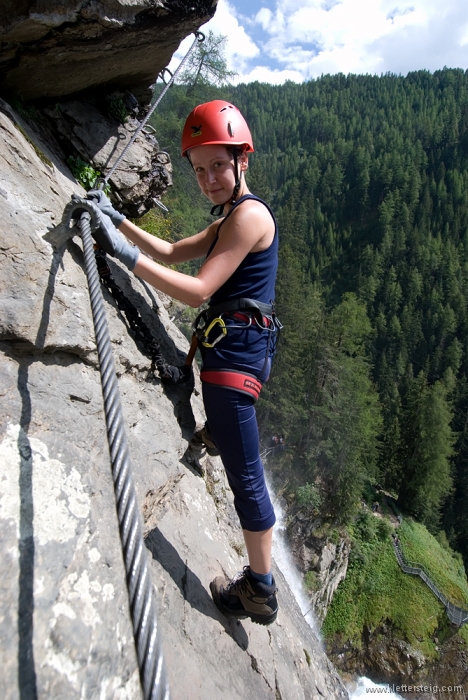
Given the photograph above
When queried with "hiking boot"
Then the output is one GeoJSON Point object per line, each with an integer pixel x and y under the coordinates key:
{"type": "Point", "coordinates": [244, 597]}
{"type": "Point", "coordinates": [204, 437]}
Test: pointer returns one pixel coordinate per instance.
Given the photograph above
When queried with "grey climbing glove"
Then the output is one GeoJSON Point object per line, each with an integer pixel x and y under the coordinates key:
{"type": "Point", "coordinates": [102, 230]}
{"type": "Point", "coordinates": [103, 202]}
{"type": "Point", "coordinates": [114, 243]}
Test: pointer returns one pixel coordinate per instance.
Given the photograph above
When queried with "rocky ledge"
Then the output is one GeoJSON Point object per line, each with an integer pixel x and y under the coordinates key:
{"type": "Point", "coordinates": [64, 47]}
{"type": "Point", "coordinates": [385, 658]}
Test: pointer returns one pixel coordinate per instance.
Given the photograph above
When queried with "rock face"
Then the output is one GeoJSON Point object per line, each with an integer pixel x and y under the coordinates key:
{"type": "Point", "coordinates": [62, 47]}
{"type": "Point", "coordinates": [143, 174]}
{"type": "Point", "coordinates": [110, 52]}
{"type": "Point", "coordinates": [64, 619]}
{"type": "Point", "coordinates": [382, 656]}
{"type": "Point", "coordinates": [451, 668]}
{"type": "Point", "coordinates": [386, 658]}
{"type": "Point", "coordinates": [332, 568]}
{"type": "Point", "coordinates": [326, 559]}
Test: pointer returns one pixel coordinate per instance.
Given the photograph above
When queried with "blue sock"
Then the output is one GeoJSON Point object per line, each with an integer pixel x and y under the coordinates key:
{"type": "Point", "coordinates": [263, 578]}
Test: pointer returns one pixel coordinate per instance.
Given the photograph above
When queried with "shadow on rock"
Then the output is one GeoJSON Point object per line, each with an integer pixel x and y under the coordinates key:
{"type": "Point", "coordinates": [27, 683]}
{"type": "Point", "coordinates": [152, 339]}
{"type": "Point", "coordinates": [190, 585]}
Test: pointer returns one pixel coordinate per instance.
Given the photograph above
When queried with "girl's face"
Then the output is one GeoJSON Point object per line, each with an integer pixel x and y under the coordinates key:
{"type": "Point", "coordinates": [215, 170]}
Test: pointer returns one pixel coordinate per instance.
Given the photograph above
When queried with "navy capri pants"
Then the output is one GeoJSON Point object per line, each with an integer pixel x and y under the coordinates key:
{"type": "Point", "coordinates": [233, 426]}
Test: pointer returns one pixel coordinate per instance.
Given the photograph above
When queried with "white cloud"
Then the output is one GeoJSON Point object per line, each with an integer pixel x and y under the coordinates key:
{"type": "Point", "coordinates": [274, 77]}
{"type": "Point", "coordinates": [264, 17]}
{"type": "Point", "coordinates": [339, 36]}
{"type": "Point", "coordinates": [240, 47]}
{"type": "Point", "coordinates": [300, 39]}
{"type": "Point", "coordinates": [439, 42]}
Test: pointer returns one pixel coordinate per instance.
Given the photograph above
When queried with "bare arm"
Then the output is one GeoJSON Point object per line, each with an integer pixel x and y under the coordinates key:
{"type": "Point", "coordinates": [250, 228]}
{"type": "Point", "coordinates": [170, 253]}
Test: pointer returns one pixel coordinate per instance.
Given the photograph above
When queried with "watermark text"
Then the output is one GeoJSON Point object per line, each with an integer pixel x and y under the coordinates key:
{"type": "Point", "coordinates": [434, 689]}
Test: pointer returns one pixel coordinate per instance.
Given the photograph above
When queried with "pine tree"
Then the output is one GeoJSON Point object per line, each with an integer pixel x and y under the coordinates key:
{"type": "Point", "coordinates": [427, 445]}
{"type": "Point", "coordinates": [207, 64]}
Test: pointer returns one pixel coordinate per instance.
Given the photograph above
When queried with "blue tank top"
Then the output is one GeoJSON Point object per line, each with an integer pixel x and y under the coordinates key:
{"type": "Point", "coordinates": [256, 275]}
{"type": "Point", "coordinates": [255, 279]}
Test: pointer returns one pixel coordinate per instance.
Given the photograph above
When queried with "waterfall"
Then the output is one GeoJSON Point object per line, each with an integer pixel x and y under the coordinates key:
{"type": "Point", "coordinates": [364, 689]}
{"type": "Point", "coordinates": [284, 560]}
{"type": "Point", "coordinates": [285, 563]}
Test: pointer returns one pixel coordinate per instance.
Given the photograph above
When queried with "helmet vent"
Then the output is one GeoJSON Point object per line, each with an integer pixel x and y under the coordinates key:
{"type": "Point", "coordinates": [230, 129]}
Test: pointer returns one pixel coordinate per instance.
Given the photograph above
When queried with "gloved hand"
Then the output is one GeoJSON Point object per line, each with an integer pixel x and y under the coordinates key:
{"type": "Point", "coordinates": [114, 243]}
{"type": "Point", "coordinates": [104, 204]}
{"type": "Point", "coordinates": [102, 230]}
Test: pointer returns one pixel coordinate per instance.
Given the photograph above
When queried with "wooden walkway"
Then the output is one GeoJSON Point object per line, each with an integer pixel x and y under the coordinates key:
{"type": "Point", "coordinates": [456, 615]}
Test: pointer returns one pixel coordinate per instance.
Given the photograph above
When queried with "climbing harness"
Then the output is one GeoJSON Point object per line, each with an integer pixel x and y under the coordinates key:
{"type": "Point", "coordinates": [140, 589]}
{"type": "Point", "coordinates": [199, 38]}
{"type": "Point", "coordinates": [254, 312]}
{"type": "Point", "coordinates": [169, 374]}
{"type": "Point", "coordinates": [249, 312]}
{"type": "Point", "coordinates": [243, 382]}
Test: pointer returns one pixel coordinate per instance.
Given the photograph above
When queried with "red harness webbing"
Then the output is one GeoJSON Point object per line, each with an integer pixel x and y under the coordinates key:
{"type": "Point", "coordinates": [232, 379]}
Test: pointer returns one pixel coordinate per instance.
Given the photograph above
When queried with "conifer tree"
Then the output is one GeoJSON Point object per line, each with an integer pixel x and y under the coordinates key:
{"type": "Point", "coordinates": [207, 64]}
{"type": "Point", "coordinates": [427, 445]}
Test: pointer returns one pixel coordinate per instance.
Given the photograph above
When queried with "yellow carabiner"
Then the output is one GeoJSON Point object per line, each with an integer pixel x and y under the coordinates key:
{"type": "Point", "coordinates": [214, 322]}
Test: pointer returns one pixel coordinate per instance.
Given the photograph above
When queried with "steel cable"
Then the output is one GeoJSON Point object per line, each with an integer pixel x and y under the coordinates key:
{"type": "Point", "coordinates": [142, 604]}
{"type": "Point", "coordinates": [199, 37]}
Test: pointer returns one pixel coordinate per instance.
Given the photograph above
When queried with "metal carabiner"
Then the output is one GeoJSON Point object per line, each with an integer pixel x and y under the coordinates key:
{"type": "Point", "coordinates": [216, 321]}
{"type": "Point", "coordinates": [242, 326]}
{"type": "Point", "coordinates": [160, 205]}
{"type": "Point", "coordinates": [162, 74]}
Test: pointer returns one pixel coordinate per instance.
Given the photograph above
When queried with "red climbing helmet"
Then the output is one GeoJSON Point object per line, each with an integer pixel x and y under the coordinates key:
{"type": "Point", "coordinates": [216, 122]}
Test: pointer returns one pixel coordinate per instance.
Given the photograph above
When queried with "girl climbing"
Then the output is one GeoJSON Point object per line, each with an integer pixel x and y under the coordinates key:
{"type": "Point", "coordinates": [236, 333]}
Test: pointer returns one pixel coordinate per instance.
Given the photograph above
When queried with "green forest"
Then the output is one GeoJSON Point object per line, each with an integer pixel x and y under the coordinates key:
{"type": "Point", "coordinates": [368, 178]}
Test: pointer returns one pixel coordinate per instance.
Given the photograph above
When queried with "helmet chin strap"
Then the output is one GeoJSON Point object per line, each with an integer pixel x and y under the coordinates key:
{"type": "Point", "coordinates": [218, 209]}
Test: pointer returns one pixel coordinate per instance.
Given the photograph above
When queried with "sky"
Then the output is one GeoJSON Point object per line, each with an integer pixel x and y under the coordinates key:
{"type": "Point", "coordinates": [274, 41]}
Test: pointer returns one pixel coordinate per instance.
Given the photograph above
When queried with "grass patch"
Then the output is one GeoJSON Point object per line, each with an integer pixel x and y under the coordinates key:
{"type": "Point", "coordinates": [156, 223]}
{"type": "Point", "coordinates": [86, 175]}
{"type": "Point", "coordinates": [311, 581]}
{"type": "Point", "coordinates": [376, 591]}
{"type": "Point", "coordinates": [26, 111]}
{"type": "Point", "coordinates": [116, 108]}
{"type": "Point", "coordinates": [42, 156]}
{"type": "Point", "coordinates": [444, 566]}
